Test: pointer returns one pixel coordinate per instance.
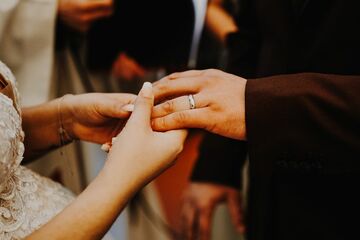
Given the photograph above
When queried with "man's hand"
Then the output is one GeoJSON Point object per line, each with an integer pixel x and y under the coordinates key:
{"type": "Point", "coordinates": [200, 201]}
{"type": "Point", "coordinates": [80, 14]}
{"type": "Point", "coordinates": [219, 99]}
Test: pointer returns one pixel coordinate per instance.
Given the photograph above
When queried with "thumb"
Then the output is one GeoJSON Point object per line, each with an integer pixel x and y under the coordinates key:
{"type": "Point", "coordinates": [143, 106]}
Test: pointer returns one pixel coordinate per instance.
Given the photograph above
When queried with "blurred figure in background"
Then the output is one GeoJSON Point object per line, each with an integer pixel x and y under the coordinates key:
{"type": "Point", "coordinates": [143, 40]}
{"type": "Point", "coordinates": [27, 30]}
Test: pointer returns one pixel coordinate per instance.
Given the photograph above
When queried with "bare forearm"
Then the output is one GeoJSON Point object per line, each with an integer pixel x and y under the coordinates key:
{"type": "Point", "coordinates": [96, 208]}
{"type": "Point", "coordinates": [41, 126]}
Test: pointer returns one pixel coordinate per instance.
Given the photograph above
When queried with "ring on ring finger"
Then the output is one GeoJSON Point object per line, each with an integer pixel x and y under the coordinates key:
{"type": "Point", "coordinates": [192, 102]}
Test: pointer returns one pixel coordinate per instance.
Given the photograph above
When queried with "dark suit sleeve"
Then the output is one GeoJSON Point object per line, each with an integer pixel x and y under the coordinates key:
{"type": "Point", "coordinates": [304, 116]}
{"type": "Point", "coordinates": [220, 161]}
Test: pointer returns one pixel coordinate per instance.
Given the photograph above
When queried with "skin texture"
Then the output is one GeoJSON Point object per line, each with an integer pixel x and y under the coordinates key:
{"type": "Point", "coordinates": [127, 169]}
{"type": "Point", "coordinates": [80, 14]}
{"type": "Point", "coordinates": [219, 97]}
{"type": "Point", "coordinates": [93, 117]}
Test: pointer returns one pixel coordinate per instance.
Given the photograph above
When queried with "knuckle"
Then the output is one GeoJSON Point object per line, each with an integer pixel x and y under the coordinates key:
{"type": "Point", "coordinates": [161, 123]}
{"type": "Point", "coordinates": [211, 72]}
{"type": "Point", "coordinates": [173, 75]}
{"type": "Point", "coordinates": [168, 106]}
{"type": "Point", "coordinates": [160, 86]}
{"type": "Point", "coordinates": [182, 117]}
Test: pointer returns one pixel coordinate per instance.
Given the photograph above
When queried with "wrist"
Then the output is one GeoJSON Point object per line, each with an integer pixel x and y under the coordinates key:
{"type": "Point", "coordinates": [129, 180]}
{"type": "Point", "coordinates": [66, 119]}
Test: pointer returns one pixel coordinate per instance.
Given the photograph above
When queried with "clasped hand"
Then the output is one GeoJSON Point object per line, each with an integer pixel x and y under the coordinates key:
{"type": "Point", "coordinates": [138, 150]}
{"type": "Point", "coordinates": [220, 108]}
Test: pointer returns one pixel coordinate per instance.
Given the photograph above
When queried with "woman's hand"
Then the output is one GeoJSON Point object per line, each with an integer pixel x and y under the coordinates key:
{"type": "Point", "coordinates": [80, 14]}
{"type": "Point", "coordinates": [138, 150]}
{"type": "Point", "coordinates": [95, 117]}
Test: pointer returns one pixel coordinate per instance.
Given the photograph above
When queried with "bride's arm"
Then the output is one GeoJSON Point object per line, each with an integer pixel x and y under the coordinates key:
{"type": "Point", "coordinates": [91, 117]}
{"type": "Point", "coordinates": [40, 124]}
{"type": "Point", "coordinates": [137, 156]}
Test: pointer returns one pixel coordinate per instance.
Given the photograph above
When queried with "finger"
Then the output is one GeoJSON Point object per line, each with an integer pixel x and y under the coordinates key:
{"type": "Point", "coordinates": [188, 224]}
{"type": "Point", "coordinates": [236, 214]}
{"type": "Point", "coordinates": [95, 5]}
{"type": "Point", "coordinates": [76, 24]}
{"type": "Point", "coordinates": [92, 16]}
{"type": "Point", "coordinates": [166, 88]}
{"type": "Point", "coordinates": [128, 108]}
{"type": "Point", "coordinates": [196, 118]}
{"type": "Point", "coordinates": [176, 138]}
{"type": "Point", "coordinates": [113, 104]}
{"type": "Point", "coordinates": [205, 224]}
{"type": "Point", "coordinates": [176, 105]}
{"type": "Point", "coordinates": [190, 73]}
{"type": "Point", "coordinates": [143, 107]}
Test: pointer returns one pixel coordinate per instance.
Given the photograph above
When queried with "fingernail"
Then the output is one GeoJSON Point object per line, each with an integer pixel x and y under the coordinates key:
{"type": "Point", "coordinates": [128, 108]}
{"type": "Point", "coordinates": [106, 147]}
{"type": "Point", "coordinates": [146, 90]}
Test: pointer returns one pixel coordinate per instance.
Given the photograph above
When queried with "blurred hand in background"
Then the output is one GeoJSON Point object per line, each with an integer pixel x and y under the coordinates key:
{"type": "Point", "coordinates": [80, 14]}
{"type": "Point", "coordinates": [199, 203]}
{"type": "Point", "coordinates": [127, 68]}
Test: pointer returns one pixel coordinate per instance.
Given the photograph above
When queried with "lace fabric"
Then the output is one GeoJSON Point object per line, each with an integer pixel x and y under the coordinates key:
{"type": "Point", "coordinates": [27, 200]}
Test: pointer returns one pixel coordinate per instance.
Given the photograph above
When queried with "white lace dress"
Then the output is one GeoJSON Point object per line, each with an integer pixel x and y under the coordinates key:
{"type": "Point", "coordinates": [27, 200]}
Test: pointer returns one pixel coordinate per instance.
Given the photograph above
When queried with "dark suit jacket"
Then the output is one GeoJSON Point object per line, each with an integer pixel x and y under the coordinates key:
{"type": "Point", "coordinates": [303, 129]}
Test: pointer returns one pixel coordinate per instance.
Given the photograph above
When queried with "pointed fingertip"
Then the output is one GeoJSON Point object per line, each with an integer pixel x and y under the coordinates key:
{"type": "Point", "coordinates": [146, 90]}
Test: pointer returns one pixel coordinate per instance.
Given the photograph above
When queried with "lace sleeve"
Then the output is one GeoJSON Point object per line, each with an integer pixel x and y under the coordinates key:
{"type": "Point", "coordinates": [11, 134]}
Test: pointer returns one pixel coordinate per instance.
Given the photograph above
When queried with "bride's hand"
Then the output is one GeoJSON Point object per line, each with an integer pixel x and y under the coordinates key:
{"type": "Point", "coordinates": [138, 150]}
{"type": "Point", "coordinates": [95, 117]}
